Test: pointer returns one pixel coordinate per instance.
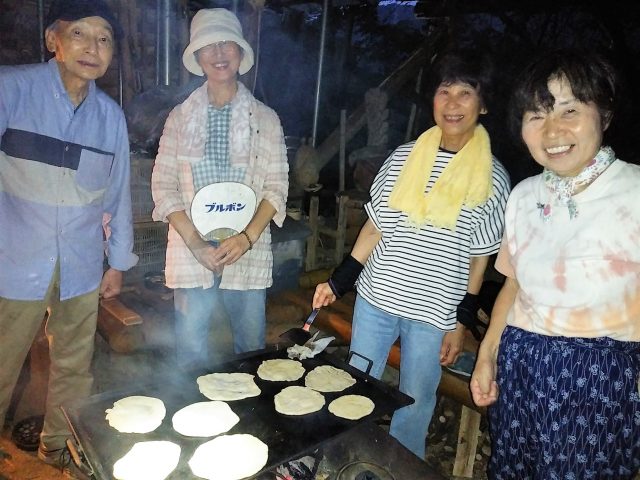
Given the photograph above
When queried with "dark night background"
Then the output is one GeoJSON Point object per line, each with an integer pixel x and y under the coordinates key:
{"type": "Point", "coordinates": [365, 42]}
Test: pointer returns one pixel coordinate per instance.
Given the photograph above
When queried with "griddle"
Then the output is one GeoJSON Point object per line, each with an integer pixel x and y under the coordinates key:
{"type": "Point", "coordinates": [288, 437]}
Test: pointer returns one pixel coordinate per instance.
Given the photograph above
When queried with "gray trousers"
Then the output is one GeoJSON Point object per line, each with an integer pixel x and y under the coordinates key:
{"type": "Point", "coordinates": [70, 329]}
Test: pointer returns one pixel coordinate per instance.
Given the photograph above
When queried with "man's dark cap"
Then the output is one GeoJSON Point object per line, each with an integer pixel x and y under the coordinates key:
{"type": "Point", "coordinates": [71, 10]}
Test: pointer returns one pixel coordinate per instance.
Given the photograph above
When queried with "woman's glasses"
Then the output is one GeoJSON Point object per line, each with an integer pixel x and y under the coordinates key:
{"type": "Point", "coordinates": [225, 46]}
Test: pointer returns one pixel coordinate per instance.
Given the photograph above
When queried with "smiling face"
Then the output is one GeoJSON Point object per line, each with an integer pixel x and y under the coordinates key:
{"type": "Point", "coordinates": [566, 138]}
{"type": "Point", "coordinates": [83, 49]}
{"type": "Point", "coordinates": [220, 62]}
{"type": "Point", "coordinates": [456, 108]}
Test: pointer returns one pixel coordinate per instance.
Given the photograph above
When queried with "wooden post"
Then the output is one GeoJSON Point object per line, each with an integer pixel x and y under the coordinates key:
{"type": "Point", "coordinates": [343, 149]}
{"type": "Point", "coordinates": [467, 442]}
{"type": "Point", "coordinates": [341, 231]}
{"type": "Point", "coordinates": [251, 22]}
{"type": "Point", "coordinates": [414, 110]}
{"type": "Point", "coordinates": [312, 240]}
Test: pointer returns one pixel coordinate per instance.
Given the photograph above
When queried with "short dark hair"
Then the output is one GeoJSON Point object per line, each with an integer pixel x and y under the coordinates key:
{"type": "Point", "coordinates": [465, 65]}
{"type": "Point", "coordinates": [590, 75]}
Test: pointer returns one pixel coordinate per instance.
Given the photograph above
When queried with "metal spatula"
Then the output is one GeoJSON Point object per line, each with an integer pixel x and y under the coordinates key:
{"type": "Point", "coordinates": [301, 335]}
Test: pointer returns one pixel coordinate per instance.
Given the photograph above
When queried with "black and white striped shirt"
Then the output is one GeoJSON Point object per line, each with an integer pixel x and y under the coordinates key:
{"type": "Point", "coordinates": [422, 274]}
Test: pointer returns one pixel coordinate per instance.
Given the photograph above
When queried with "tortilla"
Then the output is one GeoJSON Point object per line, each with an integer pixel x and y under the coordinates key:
{"type": "Point", "coordinates": [136, 414]}
{"type": "Point", "coordinates": [229, 457]}
{"type": "Point", "coordinates": [281, 370]}
{"type": "Point", "coordinates": [297, 400]}
{"type": "Point", "coordinates": [148, 461]}
{"type": "Point", "coordinates": [351, 407]}
{"type": "Point", "coordinates": [228, 386]}
{"type": "Point", "coordinates": [204, 419]}
{"type": "Point", "coordinates": [326, 378]}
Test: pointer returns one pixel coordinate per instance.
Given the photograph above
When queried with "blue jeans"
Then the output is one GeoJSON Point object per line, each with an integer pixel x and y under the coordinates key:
{"type": "Point", "coordinates": [197, 314]}
{"type": "Point", "coordinates": [374, 332]}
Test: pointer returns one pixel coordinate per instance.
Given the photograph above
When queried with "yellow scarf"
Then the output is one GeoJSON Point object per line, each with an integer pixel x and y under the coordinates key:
{"type": "Point", "coordinates": [467, 179]}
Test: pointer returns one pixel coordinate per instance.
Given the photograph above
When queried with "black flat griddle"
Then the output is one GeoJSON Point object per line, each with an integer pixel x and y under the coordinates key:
{"type": "Point", "coordinates": [288, 437]}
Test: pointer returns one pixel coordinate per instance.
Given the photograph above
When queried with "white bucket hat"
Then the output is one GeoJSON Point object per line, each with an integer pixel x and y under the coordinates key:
{"type": "Point", "coordinates": [213, 25]}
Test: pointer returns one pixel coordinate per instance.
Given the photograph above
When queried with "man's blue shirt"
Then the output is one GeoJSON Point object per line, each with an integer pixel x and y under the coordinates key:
{"type": "Point", "coordinates": [62, 171]}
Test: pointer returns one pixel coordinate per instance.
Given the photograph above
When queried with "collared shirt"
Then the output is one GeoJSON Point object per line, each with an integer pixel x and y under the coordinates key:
{"type": "Point", "coordinates": [63, 170]}
{"type": "Point", "coordinates": [216, 166]}
{"type": "Point", "coordinates": [182, 148]}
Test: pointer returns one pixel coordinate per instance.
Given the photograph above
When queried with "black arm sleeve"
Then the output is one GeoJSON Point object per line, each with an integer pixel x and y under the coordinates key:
{"type": "Point", "coordinates": [345, 275]}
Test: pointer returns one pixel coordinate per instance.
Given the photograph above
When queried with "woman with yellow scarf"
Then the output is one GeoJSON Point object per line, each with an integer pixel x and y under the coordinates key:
{"type": "Point", "coordinates": [435, 216]}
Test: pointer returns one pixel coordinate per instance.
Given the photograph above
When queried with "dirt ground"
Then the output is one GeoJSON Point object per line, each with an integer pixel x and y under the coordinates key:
{"type": "Point", "coordinates": [16, 464]}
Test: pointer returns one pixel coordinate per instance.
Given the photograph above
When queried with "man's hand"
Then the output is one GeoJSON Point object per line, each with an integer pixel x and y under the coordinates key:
{"type": "Point", "coordinates": [111, 283]}
{"type": "Point", "coordinates": [323, 296]}
{"type": "Point", "coordinates": [483, 385]}
{"type": "Point", "coordinates": [452, 344]}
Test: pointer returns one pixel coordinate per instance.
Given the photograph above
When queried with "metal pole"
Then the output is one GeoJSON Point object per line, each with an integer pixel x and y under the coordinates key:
{"type": "Point", "coordinates": [166, 46]}
{"type": "Point", "coordinates": [325, 14]}
{"type": "Point", "coordinates": [343, 150]}
{"type": "Point", "coordinates": [120, 78]}
{"type": "Point", "coordinates": [41, 28]}
{"type": "Point", "coordinates": [257, 54]}
{"type": "Point", "coordinates": [158, 35]}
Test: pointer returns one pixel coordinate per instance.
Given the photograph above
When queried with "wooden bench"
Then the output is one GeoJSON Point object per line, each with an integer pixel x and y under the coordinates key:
{"type": "Point", "coordinates": [336, 320]}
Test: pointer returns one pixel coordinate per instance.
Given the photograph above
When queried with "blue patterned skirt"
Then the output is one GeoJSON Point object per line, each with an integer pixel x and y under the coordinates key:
{"type": "Point", "coordinates": [568, 408]}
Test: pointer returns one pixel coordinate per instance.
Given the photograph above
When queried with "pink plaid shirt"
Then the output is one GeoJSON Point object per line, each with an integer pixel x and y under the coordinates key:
{"type": "Point", "coordinates": [181, 146]}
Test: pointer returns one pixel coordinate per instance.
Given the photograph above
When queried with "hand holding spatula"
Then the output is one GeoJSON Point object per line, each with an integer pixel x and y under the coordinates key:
{"type": "Point", "coordinates": [301, 335]}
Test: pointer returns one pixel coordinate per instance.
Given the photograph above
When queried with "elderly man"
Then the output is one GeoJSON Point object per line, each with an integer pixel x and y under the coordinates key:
{"type": "Point", "coordinates": [64, 188]}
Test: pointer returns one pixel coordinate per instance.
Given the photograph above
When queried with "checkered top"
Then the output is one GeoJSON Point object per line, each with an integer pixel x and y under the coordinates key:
{"type": "Point", "coordinates": [216, 166]}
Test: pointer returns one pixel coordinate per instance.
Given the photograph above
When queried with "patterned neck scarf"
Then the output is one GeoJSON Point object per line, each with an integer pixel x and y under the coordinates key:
{"type": "Point", "coordinates": [562, 189]}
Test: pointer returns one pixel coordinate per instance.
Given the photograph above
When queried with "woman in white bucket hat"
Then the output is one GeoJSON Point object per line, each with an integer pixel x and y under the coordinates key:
{"type": "Point", "coordinates": [221, 133]}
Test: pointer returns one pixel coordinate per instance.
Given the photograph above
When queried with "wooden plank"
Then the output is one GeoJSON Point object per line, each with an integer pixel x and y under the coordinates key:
{"type": "Point", "coordinates": [312, 240]}
{"type": "Point", "coordinates": [341, 231]}
{"type": "Point", "coordinates": [120, 326]}
{"type": "Point", "coordinates": [118, 311]}
{"type": "Point", "coordinates": [467, 443]}
{"type": "Point", "coordinates": [329, 232]}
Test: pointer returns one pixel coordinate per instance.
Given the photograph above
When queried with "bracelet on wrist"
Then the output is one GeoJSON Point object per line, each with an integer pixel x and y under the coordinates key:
{"type": "Point", "coordinates": [246, 235]}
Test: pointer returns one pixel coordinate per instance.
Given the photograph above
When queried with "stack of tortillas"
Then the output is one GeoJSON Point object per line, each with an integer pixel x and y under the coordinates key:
{"type": "Point", "coordinates": [148, 461]}
{"type": "Point", "coordinates": [229, 457]}
{"type": "Point", "coordinates": [281, 370]}
{"type": "Point", "coordinates": [228, 386]}
{"type": "Point", "coordinates": [204, 419]}
{"type": "Point", "coordinates": [136, 414]}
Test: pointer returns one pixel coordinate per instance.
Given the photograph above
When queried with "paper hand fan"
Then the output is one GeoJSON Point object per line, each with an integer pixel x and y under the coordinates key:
{"type": "Point", "coordinates": [222, 209]}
